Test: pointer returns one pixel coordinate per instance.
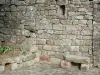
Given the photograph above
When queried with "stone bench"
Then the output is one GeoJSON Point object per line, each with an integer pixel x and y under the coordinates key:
{"type": "Point", "coordinates": [84, 61]}
{"type": "Point", "coordinates": [77, 59]}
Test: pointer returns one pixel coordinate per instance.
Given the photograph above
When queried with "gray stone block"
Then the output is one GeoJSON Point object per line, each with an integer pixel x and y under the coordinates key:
{"type": "Point", "coordinates": [40, 1]}
{"type": "Point", "coordinates": [2, 1]}
{"type": "Point", "coordinates": [28, 58]}
{"type": "Point", "coordinates": [13, 66]}
{"type": "Point", "coordinates": [85, 67]}
{"type": "Point", "coordinates": [2, 68]}
{"type": "Point", "coordinates": [77, 59]}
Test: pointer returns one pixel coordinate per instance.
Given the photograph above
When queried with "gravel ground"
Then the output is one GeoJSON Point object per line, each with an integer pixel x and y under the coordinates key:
{"type": "Point", "coordinates": [45, 69]}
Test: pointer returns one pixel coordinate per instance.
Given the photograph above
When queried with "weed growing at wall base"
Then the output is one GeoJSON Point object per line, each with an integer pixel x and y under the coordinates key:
{"type": "Point", "coordinates": [5, 49]}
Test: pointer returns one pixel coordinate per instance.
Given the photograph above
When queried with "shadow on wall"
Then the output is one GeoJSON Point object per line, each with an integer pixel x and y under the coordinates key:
{"type": "Point", "coordinates": [16, 21]}
{"type": "Point", "coordinates": [8, 23]}
{"type": "Point", "coordinates": [96, 12]}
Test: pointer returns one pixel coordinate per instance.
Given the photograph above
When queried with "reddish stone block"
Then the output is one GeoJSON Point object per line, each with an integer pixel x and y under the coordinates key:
{"type": "Point", "coordinates": [65, 64]}
{"type": "Point", "coordinates": [44, 58]}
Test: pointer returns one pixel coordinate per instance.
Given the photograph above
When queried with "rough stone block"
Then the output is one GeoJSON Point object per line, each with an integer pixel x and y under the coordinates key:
{"type": "Point", "coordinates": [28, 57]}
{"type": "Point", "coordinates": [17, 59]}
{"type": "Point", "coordinates": [86, 42]}
{"type": "Point", "coordinates": [2, 68]}
{"type": "Point", "coordinates": [20, 39]}
{"type": "Point", "coordinates": [84, 48]}
{"type": "Point", "coordinates": [58, 56]}
{"type": "Point", "coordinates": [66, 22]}
{"type": "Point", "coordinates": [82, 9]}
{"type": "Point", "coordinates": [49, 42]}
{"type": "Point", "coordinates": [13, 8]}
{"type": "Point", "coordinates": [58, 27]}
{"type": "Point", "coordinates": [79, 17]}
{"type": "Point", "coordinates": [55, 48]}
{"type": "Point", "coordinates": [28, 63]}
{"type": "Point", "coordinates": [32, 1]}
{"type": "Point", "coordinates": [76, 2]}
{"type": "Point", "coordinates": [10, 67]}
{"type": "Point", "coordinates": [55, 61]}
{"type": "Point", "coordinates": [71, 13]}
{"type": "Point", "coordinates": [88, 17]}
{"type": "Point", "coordinates": [75, 43]}
{"type": "Point", "coordinates": [86, 32]}
{"type": "Point", "coordinates": [41, 41]}
{"type": "Point", "coordinates": [65, 64]}
{"type": "Point", "coordinates": [55, 21]}
{"type": "Point", "coordinates": [40, 1]}
{"type": "Point", "coordinates": [75, 22]}
{"type": "Point", "coordinates": [34, 48]}
{"type": "Point", "coordinates": [77, 59]}
{"type": "Point", "coordinates": [85, 67]}
{"type": "Point", "coordinates": [82, 21]}
{"type": "Point", "coordinates": [25, 33]}
{"type": "Point", "coordinates": [58, 32]}
{"type": "Point", "coordinates": [61, 2]}
{"type": "Point", "coordinates": [52, 12]}
{"type": "Point", "coordinates": [98, 66]}
{"type": "Point", "coordinates": [47, 47]}
{"type": "Point", "coordinates": [13, 1]}
{"type": "Point", "coordinates": [14, 66]}
{"type": "Point", "coordinates": [50, 53]}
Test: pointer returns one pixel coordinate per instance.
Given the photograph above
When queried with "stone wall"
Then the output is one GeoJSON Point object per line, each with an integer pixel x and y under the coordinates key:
{"type": "Point", "coordinates": [53, 26]}
{"type": "Point", "coordinates": [96, 33]}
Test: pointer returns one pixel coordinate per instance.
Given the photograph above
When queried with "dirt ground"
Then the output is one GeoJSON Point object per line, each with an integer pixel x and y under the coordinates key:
{"type": "Point", "coordinates": [45, 69]}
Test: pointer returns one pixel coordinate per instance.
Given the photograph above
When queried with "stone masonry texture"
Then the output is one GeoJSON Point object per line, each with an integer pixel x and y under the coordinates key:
{"type": "Point", "coordinates": [68, 27]}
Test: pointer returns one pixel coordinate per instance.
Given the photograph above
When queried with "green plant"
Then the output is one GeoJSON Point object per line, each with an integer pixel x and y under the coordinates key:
{"type": "Point", "coordinates": [5, 49]}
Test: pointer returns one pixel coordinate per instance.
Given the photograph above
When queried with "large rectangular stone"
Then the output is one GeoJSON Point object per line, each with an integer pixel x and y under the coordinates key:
{"type": "Point", "coordinates": [82, 9]}
{"type": "Point", "coordinates": [79, 17]}
{"type": "Point", "coordinates": [74, 48]}
{"type": "Point", "coordinates": [86, 42]}
{"type": "Point", "coordinates": [47, 47]}
{"type": "Point", "coordinates": [28, 57]}
{"type": "Point", "coordinates": [52, 12]}
{"type": "Point", "coordinates": [71, 13]}
{"type": "Point", "coordinates": [85, 67]}
{"type": "Point", "coordinates": [83, 22]}
{"type": "Point", "coordinates": [55, 48]}
{"type": "Point", "coordinates": [66, 22]}
{"type": "Point", "coordinates": [14, 66]}
{"type": "Point", "coordinates": [41, 41]}
{"type": "Point", "coordinates": [86, 32]}
{"type": "Point", "coordinates": [77, 59]}
{"type": "Point", "coordinates": [40, 1]}
{"type": "Point", "coordinates": [58, 27]}
{"type": "Point", "coordinates": [32, 1]}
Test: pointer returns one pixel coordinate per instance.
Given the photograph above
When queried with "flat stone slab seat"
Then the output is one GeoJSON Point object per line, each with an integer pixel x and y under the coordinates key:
{"type": "Point", "coordinates": [77, 59]}
{"type": "Point", "coordinates": [84, 61]}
